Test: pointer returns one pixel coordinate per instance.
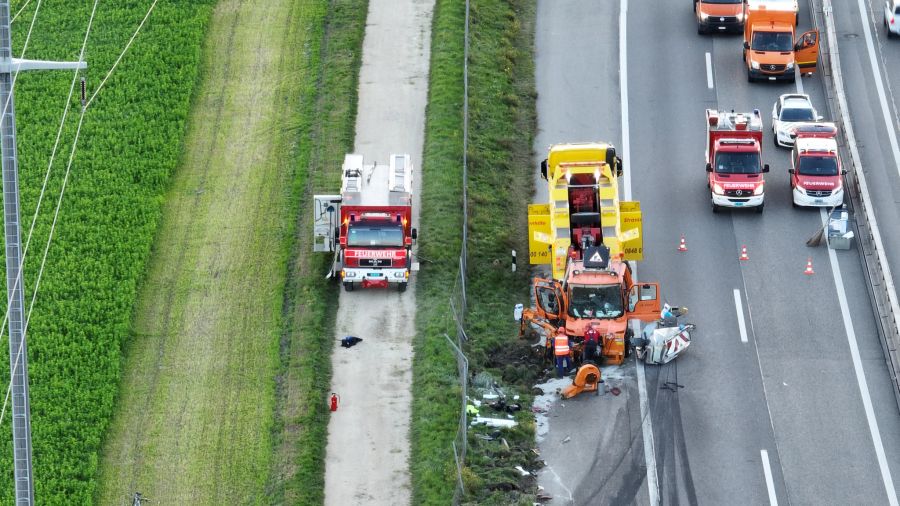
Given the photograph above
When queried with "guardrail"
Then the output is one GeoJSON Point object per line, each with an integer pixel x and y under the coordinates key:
{"type": "Point", "coordinates": [881, 283]}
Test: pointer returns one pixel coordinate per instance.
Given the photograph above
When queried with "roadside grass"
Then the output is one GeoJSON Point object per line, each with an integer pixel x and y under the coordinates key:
{"type": "Point", "coordinates": [501, 131]}
{"type": "Point", "coordinates": [200, 411]}
{"type": "Point", "coordinates": [325, 132]}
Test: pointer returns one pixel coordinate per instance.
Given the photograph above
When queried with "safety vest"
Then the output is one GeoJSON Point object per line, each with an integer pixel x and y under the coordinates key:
{"type": "Point", "coordinates": [562, 345]}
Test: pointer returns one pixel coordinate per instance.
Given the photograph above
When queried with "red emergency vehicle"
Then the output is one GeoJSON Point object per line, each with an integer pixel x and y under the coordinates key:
{"type": "Point", "coordinates": [733, 159]}
{"type": "Point", "coordinates": [369, 225]}
{"type": "Point", "coordinates": [816, 167]}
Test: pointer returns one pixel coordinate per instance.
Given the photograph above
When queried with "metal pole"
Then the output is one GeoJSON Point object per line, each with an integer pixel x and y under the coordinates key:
{"type": "Point", "coordinates": [18, 356]}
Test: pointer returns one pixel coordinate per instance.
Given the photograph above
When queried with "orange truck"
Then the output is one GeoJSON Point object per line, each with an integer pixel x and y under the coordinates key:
{"type": "Point", "coordinates": [719, 15]}
{"type": "Point", "coordinates": [772, 51]}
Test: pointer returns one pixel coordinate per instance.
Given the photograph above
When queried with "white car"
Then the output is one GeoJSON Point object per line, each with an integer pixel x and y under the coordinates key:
{"type": "Point", "coordinates": [892, 17]}
{"type": "Point", "coordinates": [790, 110]}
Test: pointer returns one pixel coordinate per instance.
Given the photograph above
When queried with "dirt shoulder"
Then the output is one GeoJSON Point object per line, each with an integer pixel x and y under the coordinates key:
{"type": "Point", "coordinates": [368, 437]}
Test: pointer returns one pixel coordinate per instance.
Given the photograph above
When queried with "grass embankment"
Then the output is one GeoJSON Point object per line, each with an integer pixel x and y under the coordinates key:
{"type": "Point", "coordinates": [502, 123]}
{"type": "Point", "coordinates": [129, 147]}
{"type": "Point", "coordinates": [199, 419]}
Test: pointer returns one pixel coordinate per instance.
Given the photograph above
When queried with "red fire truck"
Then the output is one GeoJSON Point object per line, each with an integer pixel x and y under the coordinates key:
{"type": "Point", "coordinates": [733, 166]}
{"type": "Point", "coordinates": [368, 226]}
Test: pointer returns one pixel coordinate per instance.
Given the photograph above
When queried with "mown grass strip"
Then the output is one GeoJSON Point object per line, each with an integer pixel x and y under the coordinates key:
{"type": "Point", "coordinates": [502, 123]}
{"type": "Point", "coordinates": [129, 147]}
{"type": "Point", "coordinates": [325, 132]}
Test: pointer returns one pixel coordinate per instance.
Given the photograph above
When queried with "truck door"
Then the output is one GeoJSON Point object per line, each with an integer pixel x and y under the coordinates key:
{"type": "Point", "coordinates": [807, 51]}
{"type": "Point", "coordinates": [643, 302]}
{"type": "Point", "coordinates": [548, 298]}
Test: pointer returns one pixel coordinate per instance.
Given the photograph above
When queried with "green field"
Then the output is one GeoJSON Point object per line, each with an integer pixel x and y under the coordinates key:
{"type": "Point", "coordinates": [129, 147]}
{"type": "Point", "coordinates": [208, 409]}
{"type": "Point", "coordinates": [502, 123]}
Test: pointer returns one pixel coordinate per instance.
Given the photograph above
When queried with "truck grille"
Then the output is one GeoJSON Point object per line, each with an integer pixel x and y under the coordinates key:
{"type": "Point", "coordinates": [738, 193]}
{"type": "Point", "coordinates": [725, 19]}
{"type": "Point", "coordinates": [818, 193]}
{"type": "Point", "coordinates": [374, 262]}
{"type": "Point", "coordinates": [772, 67]}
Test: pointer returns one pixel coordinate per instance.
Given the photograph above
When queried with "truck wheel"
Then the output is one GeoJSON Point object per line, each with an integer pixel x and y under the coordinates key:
{"type": "Point", "coordinates": [348, 286]}
{"type": "Point", "coordinates": [402, 286]}
{"type": "Point", "coordinates": [794, 202]}
{"type": "Point", "coordinates": [715, 208]}
{"type": "Point", "coordinates": [759, 208]}
{"type": "Point", "coordinates": [700, 30]}
{"type": "Point", "coordinates": [749, 77]}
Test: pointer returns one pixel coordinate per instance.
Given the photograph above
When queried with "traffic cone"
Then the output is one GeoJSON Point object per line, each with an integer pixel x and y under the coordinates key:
{"type": "Point", "coordinates": [809, 270]}
{"type": "Point", "coordinates": [744, 255]}
{"type": "Point", "coordinates": [682, 246]}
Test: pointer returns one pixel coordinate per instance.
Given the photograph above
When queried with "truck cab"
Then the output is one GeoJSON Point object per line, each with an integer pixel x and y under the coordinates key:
{"type": "Point", "coordinates": [816, 172]}
{"type": "Point", "coordinates": [720, 15]}
{"type": "Point", "coordinates": [598, 291]}
{"type": "Point", "coordinates": [733, 153]}
{"type": "Point", "coordinates": [771, 51]}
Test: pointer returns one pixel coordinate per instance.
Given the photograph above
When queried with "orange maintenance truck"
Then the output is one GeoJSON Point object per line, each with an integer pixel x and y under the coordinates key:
{"type": "Point", "coordinates": [719, 15]}
{"type": "Point", "coordinates": [771, 49]}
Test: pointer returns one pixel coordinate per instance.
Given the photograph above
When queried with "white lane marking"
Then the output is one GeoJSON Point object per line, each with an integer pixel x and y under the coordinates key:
{"type": "Point", "coordinates": [740, 315]}
{"type": "Point", "coordinates": [646, 422]}
{"type": "Point", "coordinates": [623, 87]}
{"type": "Point", "coordinates": [770, 484]}
{"type": "Point", "coordinates": [879, 86]}
{"type": "Point", "coordinates": [709, 78]}
{"type": "Point", "coordinates": [860, 373]}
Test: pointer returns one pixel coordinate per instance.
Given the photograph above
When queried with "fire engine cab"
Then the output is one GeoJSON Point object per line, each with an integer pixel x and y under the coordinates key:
{"type": "Point", "coordinates": [733, 166]}
{"type": "Point", "coordinates": [816, 170]}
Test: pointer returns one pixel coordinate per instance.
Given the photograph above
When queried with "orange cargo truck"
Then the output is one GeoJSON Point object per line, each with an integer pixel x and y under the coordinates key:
{"type": "Point", "coordinates": [771, 49]}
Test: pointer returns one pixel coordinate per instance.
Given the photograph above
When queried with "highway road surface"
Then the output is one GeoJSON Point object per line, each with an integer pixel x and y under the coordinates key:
{"type": "Point", "coordinates": [784, 396]}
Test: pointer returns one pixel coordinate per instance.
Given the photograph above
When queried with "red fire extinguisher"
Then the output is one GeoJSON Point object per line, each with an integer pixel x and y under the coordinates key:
{"type": "Point", "coordinates": [334, 401]}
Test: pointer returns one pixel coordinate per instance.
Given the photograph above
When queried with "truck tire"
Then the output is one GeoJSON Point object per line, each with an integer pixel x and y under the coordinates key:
{"type": "Point", "coordinates": [749, 76]}
{"type": "Point", "coordinates": [402, 287]}
{"type": "Point", "coordinates": [348, 286]}
{"type": "Point", "coordinates": [759, 208]}
{"type": "Point", "coordinates": [715, 208]}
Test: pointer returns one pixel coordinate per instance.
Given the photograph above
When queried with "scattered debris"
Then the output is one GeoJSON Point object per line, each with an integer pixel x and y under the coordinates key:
{"type": "Point", "coordinates": [615, 391]}
{"type": "Point", "coordinates": [350, 341]}
{"type": "Point", "coordinates": [494, 422]}
{"type": "Point", "coordinates": [522, 471]}
{"type": "Point", "coordinates": [567, 439]}
{"type": "Point", "coordinates": [503, 443]}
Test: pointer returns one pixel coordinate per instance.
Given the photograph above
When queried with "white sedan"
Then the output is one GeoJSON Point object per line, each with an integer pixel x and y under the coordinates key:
{"type": "Point", "coordinates": [892, 17]}
{"type": "Point", "coordinates": [790, 110]}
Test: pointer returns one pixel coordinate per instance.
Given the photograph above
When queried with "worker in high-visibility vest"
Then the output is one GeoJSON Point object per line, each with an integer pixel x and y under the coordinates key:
{"type": "Point", "coordinates": [562, 351]}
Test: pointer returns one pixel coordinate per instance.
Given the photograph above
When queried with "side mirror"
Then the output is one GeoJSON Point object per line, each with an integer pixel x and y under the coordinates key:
{"type": "Point", "coordinates": [414, 234]}
{"type": "Point", "coordinates": [544, 168]}
{"type": "Point", "coordinates": [766, 168]}
{"type": "Point", "coordinates": [790, 171]}
{"type": "Point", "coordinates": [843, 172]}
{"type": "Point", "coordinates": [708, 167]}
{"type": "Point", "coordinates": [746, 45]}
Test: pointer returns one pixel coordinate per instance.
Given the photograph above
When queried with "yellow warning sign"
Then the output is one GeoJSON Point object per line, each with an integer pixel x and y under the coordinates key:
{"type": "Point", "coordinates": [630, 231]}
{"type": "Point", "coordinates": [539, 238]}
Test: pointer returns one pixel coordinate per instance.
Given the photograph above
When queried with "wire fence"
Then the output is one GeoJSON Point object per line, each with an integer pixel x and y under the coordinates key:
{"type": "Point", "coordinates": [458, 299]}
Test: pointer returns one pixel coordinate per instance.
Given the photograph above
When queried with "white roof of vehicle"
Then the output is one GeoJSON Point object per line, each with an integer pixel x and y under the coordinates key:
{"type": "Point", "coordinates": [796, 100]}
{"type": "Point", "coordinates": [816, 144]}
{"type": "Point", "coordinates": [774, 5]}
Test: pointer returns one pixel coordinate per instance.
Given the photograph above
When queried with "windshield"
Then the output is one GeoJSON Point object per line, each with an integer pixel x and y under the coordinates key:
{"type": "Point", "coordinates": [818, 166]}
{"type": "Point", "coordinates": [367, 234]}
{"type": "Point", "coordinates": [772, 41]}
{"type": "Point", "coordinates": [595, 301]}
{"type": "Point", "coordinates": [797, 115]}
{"type": "Point", "coordinates": [737, 163]}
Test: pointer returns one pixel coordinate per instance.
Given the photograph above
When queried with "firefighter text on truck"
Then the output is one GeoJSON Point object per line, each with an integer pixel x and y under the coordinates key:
{"type": "Point", "coordinates": [733, 159]}
{"type": "Point", "coordinates": [816, 168]}
{"type": "Point", "coordinates": [369, 230]}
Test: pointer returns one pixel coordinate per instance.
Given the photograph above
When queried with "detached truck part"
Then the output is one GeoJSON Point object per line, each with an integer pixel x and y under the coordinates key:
{"type": "Point", "coordinates": [368, 226]}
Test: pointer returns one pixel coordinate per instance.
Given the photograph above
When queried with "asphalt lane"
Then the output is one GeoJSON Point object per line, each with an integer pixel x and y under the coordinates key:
{"type": "Point", "coordinates": [790, 389]}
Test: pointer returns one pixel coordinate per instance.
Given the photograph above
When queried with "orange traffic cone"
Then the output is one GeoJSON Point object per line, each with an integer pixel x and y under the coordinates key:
{"type": "Point", "coordinates": [744, 255]}
{"type": "Point", "coordinates": [682, 246]}
{"type": "Point", "coordinates": [809, 270]}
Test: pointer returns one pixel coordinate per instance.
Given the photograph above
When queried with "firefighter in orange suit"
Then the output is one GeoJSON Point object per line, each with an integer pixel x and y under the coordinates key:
{"type": "Point", "coordinates": [563, 352]}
